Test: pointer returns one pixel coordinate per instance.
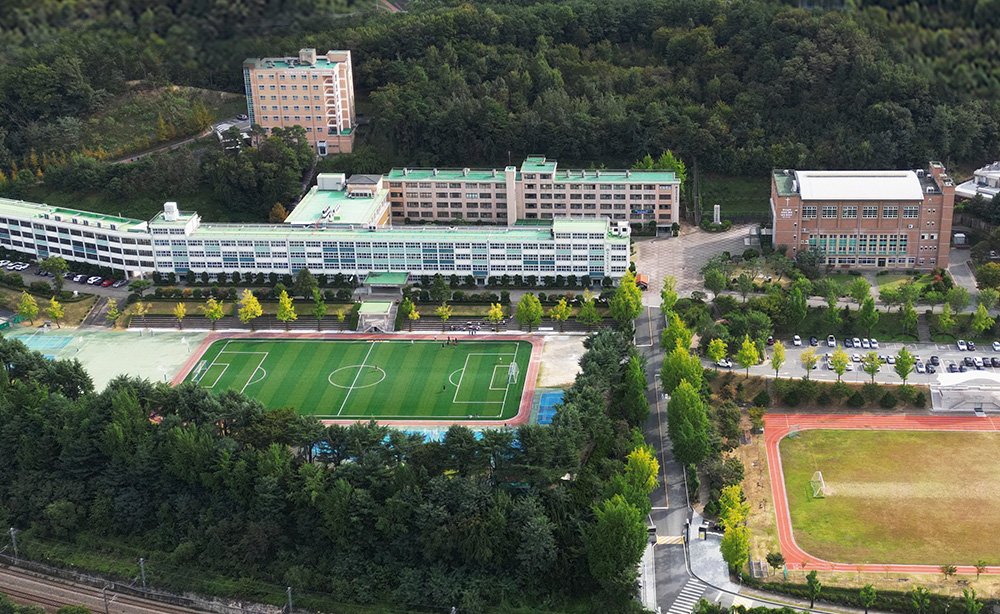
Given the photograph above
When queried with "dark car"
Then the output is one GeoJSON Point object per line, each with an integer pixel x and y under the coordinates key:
{"type": "Point", "coordinates": [848, 343]}
{"type": "Point", "coordinates": [995, 361]}
{"type": "Point", "coordinates": [931, 369]}
{"type": "Point", "coordinates": [952, 368]}
{"type": "Point", "coordinates": [962, 368]}
{"type": "Point", "coordinates": [813, 341]}
{"type": "Point", "coordinates": [935, 360]}
{"type": "Point", "coordinates": [770, 340]}
{"type": "Point", "coordinates": [968, 361]}
{"type": "Point", "coordinates": [980, 368]}
{"type": "Point", "coordinates": [972, 346]}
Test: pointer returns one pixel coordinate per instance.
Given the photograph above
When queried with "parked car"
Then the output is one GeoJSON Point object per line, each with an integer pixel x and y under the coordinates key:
{"type": "Point", "coordinates": [242, 117]}
{"type": "Point", "coordinates": [725, 364]}
{"type": "Point", "coordinates": [107, 282]}
{"type": "Point", "coordinates": [977, 361]}
{"type": "Point", "coordinates": [831, 341]}
{"type": "Point", "coordinates": [931, 369]}
{"type": "Point", "coordinates": [962, 368]}
{"type": "Point", "coordinates": [80, 279]}
{"type": "Point", "coordinates": [952, 368]}
{"type": "Point", "coordinates": [848, 343]}
{"type": "Point", "coordinates": [857, 342]}
{"type": "Point", "coordinates": [962, 345]}
{"type": "Point", "coordinates": [119, 283]}
{"type": "Point", "coordinates": [996, 346]}
{"type": "Point", "coordinates": [995, 362]}
{"type": "Point", "coordinates": [813, 341]}
{"type": "Point", "coordinates": [968, 361]}
{"type": "Point", "coordinates": [874, 343]}
{"type": "Point", "coordinates": [93, 281]}
{"type": "Point", "coordinates": [921, 368]}
{"type": "Point", "coordinates": [865, 344]}
{"type": "Point", "coordinates": [891, 359]}
{"type": "Point", "coordinates": [980, 368]}
{"type": "Point", "coordinates": [796, 340]}
{"type": "Point", "coordinates": [972, 345]}
{"type": "Point", "coordinates": [935, 360]}
{"type": "Point", "coordinates": [856, 357]}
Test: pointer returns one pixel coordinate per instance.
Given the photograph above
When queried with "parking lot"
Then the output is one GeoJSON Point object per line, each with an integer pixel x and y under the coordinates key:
{"type": "Point", "coordinates": [947, 353]}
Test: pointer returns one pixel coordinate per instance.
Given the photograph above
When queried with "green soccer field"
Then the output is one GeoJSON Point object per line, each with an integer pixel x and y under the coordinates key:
{"type": "Point", "coordinates": [371, 379]}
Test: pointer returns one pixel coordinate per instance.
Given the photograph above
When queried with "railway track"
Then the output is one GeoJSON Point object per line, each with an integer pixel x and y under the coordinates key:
{"type": "Point", "coordinates": [26, 598]}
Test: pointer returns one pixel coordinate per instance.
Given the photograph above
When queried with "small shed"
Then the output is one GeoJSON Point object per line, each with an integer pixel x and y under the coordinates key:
{"type": "Point", "coordinates": [376, 316]}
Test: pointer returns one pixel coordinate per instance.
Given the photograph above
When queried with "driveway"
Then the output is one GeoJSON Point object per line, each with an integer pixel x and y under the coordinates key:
{"type": "Point", "coordinates": [683, 258]}
{"type": "Point", "coordinates": [961, 272]}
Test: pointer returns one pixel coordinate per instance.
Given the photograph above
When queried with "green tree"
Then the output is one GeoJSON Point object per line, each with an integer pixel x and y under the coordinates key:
{"type": "Point", "coordinates": [870, 364]}
{"type": "Point", "coordinates": [250, 308]}
{"type": "Point", "coordinates": [988, 297]}
{"type": "Point", "coordinates": [715, 281]}
{"type": "Point", "coordinates": [948, 570]}
{"type": "Point", "coordinates": [286, 311]}
{"type": "Point", "coordinates": [981, 320]}
{"type": "Point", "coordinates": [909, 318]}
{"type": "Point", "coordinates": [859, 290]}
{"type": "Point", "coordinates": [744, 285]}
{"type": "Point", "coordinates": [797, 308]}
{"type": "Point", "coordinates": [529, 311]}
{"type": "Point", "coordinates": [733, 507]}
{"type": "Point", "coordinates": [633, 403]}
{"type": "Point", "coordinates": [413, 316]}
{"type": "Point", "coordinates": [560, 312]}
{"type": "Point", "coordinates": [180, 310]}
{"type": "Point", "coordinates": [958, 298]}
{"type": "Point", "coordinates": [747, 355]}
{"type": "Point", "coordinates": [113, 313]}
{"type": "Point", "coordinates": [588, 313]}
{"type": "Point", "coordinates": [777, 357]}
{"type": "Point", "coordinates": [440, 292]}
{"type": "Point", "coordinates": [680, 365]}
{"type": "Point", "coordinates": [735, 547]}
{"type": "Point", "coordinates": [495, 314]}
{"type": "Point", "coordinates": [139, 286]}
{"type": "Point", "coordinates": [444, 312]}
{"type": "Point", "coordinates": [839, 360]}
{"type": "Point", "coordinates": [980, 566]}
{"type": "Point", "coordinates": [833, 319]}
{"type": "Point", "coordinates": [213, 311]}
{"type": "Point", "coordinates": [57, 267]}
{"type": "Point", "coordinates": [946, 322]}
{"type": "Point", "coordinates": [687, 425]}
{"type": "Point", "coordinates": [319, 307]}
{"type": "Point", "coordinates": [809, 360]}
{"type": "Point", "coordinates": [905, 362]}
{"type": "Point", "coordinates": [626, 304]}
{"type": "Point", "coordinates": [920, 598]}
{"type": "Point", "coordinates": [141, 309]}
{"type": "Point", "coordinates": [201, 117]}
{"type": "Point", "coordinates": [27, 307]}
{"type": "Point", "coordinates": [614, 544]}
{"type": "Point", "coordinates": [868, 596]}
{"type": "Point", "coordinates": [889, 295]}
{"type": "Point", "coordinates": [55, 311]}
{"type": "Point", "coordinates": [305, 283]}
{"type": "Point", "coordinates": [868, 316]}
{"type": "Point", "coordinates": [668, 295]}
{"type": "Point", "coordinates": [972, 605]}
{"type": "Point", "coordinates": [675, 332]}
{"type": "Point", "coordinates": [717, 350]}
{"type": "Point", "coordinates": [813, 588]}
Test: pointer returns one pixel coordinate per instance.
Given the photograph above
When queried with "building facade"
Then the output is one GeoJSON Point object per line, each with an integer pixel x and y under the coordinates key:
{"type": "Point", "coordinates": [865, 219]}
{"type": "Point", "coordinates": [538, 190]}
{"type": "Point", "coordinates": [315, 92]}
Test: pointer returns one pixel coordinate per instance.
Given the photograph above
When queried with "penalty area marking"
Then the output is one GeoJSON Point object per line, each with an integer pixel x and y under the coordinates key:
{"type": "Point", "coordinates": [260, 367]}
{"type": "Point", "coordinates": [355, 386]}
{"type": "Point", "coordinates": [452, 381]}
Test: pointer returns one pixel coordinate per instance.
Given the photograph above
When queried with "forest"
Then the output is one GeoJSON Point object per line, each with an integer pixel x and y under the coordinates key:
{"type": "Point", "coordinates": [223, 497]}
{"type": "Point", "coordinates": [738, 87]}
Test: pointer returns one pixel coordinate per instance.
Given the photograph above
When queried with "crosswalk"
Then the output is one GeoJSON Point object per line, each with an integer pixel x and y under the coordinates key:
{"type": "Point", "coordinates": [742, 601]}
{"type": "Point", "coordinates": [688, 597]}
{"type": "Point", "coordinates": [662, 540]}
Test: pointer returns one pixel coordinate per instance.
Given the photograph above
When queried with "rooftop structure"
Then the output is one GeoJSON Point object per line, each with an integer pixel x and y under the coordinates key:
{"type": "Point", "coordinates": [858, 185]}
{"type": "Point", "coordinates": [985, 182]}
{"type": "Point", "coordinates": [336, 201]}
{"type": "Point", "coordinates": [75, 217]}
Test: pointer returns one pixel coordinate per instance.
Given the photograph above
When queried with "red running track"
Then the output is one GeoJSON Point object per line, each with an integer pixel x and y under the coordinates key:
{"type": "Point", "coordinates": [777, 426]}
{"type": "Point", "coordinates": [527, 395]}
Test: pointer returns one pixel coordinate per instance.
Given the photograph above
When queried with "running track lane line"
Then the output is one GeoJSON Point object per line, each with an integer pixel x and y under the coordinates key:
{"type": "Point", "coordinates": [777, 426]}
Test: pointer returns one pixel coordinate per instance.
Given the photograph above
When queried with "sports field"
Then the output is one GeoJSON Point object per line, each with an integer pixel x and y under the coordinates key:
{"type": "Point", "coordinates": [906, 497]}
{"type": "Point", "coordinates": [372, 379]}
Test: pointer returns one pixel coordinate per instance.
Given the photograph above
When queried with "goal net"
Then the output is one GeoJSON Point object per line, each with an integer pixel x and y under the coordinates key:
{"type": "Point", "coordinates": [817, 485]}
{"type": "Point", "coordinates": [513, 371]}
{"type": "Point", "coordinates": [199, 372]}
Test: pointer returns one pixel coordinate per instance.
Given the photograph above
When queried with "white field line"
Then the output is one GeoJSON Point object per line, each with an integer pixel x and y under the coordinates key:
{"type": "Point", "coordinates": [259, 365]}
{"type": "Point", "coordinates": [351, 389]}
{"type": "Point", "coordinates": [225, 365]}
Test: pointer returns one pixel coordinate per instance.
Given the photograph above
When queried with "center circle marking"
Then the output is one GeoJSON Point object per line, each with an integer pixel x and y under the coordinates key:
{"type": "Point", "coordinates": [366, 373]}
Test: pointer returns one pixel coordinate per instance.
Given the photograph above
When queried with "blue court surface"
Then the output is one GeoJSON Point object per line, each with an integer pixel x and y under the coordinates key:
{"type": "Point", "coordinates": [547, 406]}
{"type": "Point", "coordinates": [44, 341]}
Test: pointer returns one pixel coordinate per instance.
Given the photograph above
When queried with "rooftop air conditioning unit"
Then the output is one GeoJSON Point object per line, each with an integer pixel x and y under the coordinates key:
{"type": "Point", "coordinates": [76, 221]}
{"type": "Point", "coordinates": [99, 225]}
{"type": "Point", "coordinates": [58, 218]}
{"type": "Point", "coordinates": [114, 226]}
{"type": "Point", "coordinates": [45, 215]}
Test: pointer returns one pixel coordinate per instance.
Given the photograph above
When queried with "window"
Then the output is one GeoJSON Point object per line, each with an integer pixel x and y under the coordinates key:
{"type": "Point", "coordinates": [869, 212]}
{"type": "Point", "coordinates": [808, 213]}
{"type": "Point", "coordinates": [829, 212]}
{"type": "Point", "coordinates": [850, 212]}
{"type": "Point", "coordinates": [890, 213]}
{"type": "Point", "coordinates": [911, 212]}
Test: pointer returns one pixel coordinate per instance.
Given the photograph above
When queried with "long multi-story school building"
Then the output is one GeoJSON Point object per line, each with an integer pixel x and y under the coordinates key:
{"type": "Point", "coordinates": [866, 219]}
{"type": "Point", "coordinates": [341, 226]}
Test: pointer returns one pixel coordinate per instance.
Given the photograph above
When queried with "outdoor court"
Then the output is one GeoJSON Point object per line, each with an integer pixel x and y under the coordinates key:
{"type": "Point", "coordinates": [904, 494]}
{"type": "Point", "coordinates": [365, 378]}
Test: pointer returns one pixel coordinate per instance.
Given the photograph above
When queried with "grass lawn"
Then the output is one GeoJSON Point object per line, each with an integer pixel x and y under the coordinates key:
{"type": "Point", "coordinates": [74, 312]}
{"type": "Point", "coordinates": [895, 496]}
{"type": "Point", "coordinates": [888, 328]}
{"type": "Point", "coordinates": [963, 330]}
{"type": "Point", "coordinates": [844, 279]}
{"type": "Point", "coordinates": [735, 195]}
{"type": "Point", "coordinates": [363, 379]}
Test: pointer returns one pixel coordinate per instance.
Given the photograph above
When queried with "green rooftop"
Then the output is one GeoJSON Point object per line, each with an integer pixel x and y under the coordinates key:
{"type": "Point", "coordinates": [535, 165]}
{"type": "Point", "coordinates": [343, 210]}
{"type": "Point", "coordinates": [446, 174]}
{"type": "Point", "coordinates": [37, 210]}
{"type": "Point", "coordinates": [375, 307]}
{"type": "Point", "coordinates": [785, 184]}
{"type": "Point", "coordinates": [580, 225]}
{"type": "Point", "coordinates": [385, 279]}
{"type": "Point", "coordinates": [538, 164]}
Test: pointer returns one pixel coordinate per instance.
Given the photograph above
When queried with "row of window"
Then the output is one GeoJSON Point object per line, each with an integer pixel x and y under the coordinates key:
{"type": "Point", "coordinates": [868, 261]}
{"type": "Point", "coordinates": [315, 76]}
{"type": "Point", "coordinates": [868, 212]}
{"type": "Point", "coordinates": [424, 184]}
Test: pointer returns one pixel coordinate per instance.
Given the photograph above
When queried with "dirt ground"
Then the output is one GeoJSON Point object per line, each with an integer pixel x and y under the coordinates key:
{"type": "Point", "coordinates": [560, 360]}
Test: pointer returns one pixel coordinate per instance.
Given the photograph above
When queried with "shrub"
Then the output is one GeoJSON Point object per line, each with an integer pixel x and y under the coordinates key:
{"type": "Point", "coordinates": [792, 397]}
{"type": "Point", "coordinates": [856, 400]}
{"type": "Point", "coordinates": [779, 387]}
{"type": "Point", "coordinates": [693, 483]}
{"type": "Point", "coordinates": [906, 393]}
{"type": "Point", "coordinates": [807, 389]}
{"type": "Point", "coordinates": [839, 390]}
{"type": "Point", "coordinates": [727, 392]}
{"type": "Point", "coordinates": [920, 400]}
{"type": "Point", "coordinates": [762, 399]}
{"type": "Point", "coordinates": [757, 416]}
{"type": "Point", "coordinates": [41, 288]}
{"type": "Point", "coordinates": [823, 399]}
{"type": "Point", "coordinates": [725, 304]}
{"type": "Point", "coordinates": [709, 375]}
{"type": "Point", "coordinates": [871, 392]}
{"type": "Point", "coordinates": [888, 400]}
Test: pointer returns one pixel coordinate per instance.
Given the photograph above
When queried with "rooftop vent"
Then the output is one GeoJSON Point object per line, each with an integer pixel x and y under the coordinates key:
{"type": "Point", "coordinates": [465, 172]}
{"type": "Point", "coordinates": [406, 171]}
{"type": "Point", "coordinates": [435, 172]}
{"type": "Point", "coordinates": [170, 212]}
{"type": "Point", "coordinates": [494, 172]}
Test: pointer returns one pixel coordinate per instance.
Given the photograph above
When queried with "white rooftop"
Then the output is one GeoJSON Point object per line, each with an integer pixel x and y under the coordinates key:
{"type": "Point", "coordinates": [990, 170]}
{"type": "Point", "coordinates": [859, 185]}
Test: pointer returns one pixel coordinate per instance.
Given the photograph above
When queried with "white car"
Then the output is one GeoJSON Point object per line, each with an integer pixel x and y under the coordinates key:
{"type": "Point", "coordinates": [921, 368]}
{"type": "Point", "coordinates": [865, 344]}
{"type": "Point", "coordinates": [891, 359]}
{"type": "Point", "coordinates": [857, 342]}
{"type": "Point", "coordinates": [725, 364]}
{"type": "Point", "coordinates": [996, 346]}
{"type": "Point", "coordinates": [831, 341]}
{"type": "Point", "coordinates": [856, 357]}
{"type": "Point", "coordinates": [873, 343]}
{"type": "Point", "coordinates": [962, 346]}
{"type": "Point", "coordinates": [977, 361]}
{"type": "Point", "coordinates": [796, 340]}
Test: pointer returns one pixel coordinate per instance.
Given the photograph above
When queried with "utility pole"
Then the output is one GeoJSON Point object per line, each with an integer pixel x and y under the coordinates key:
{"type": "Point", "coordinates": [142, 571]}
{"type": "Point", "coordinates": [13, 538]}
{"type": "Point", "coordinates": [104, 595]}
{"type": "Point", "coordinates": [289, 600]}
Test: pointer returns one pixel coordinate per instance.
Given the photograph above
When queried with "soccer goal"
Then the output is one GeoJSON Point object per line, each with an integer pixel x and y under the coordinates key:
{"type": "Point", "coordinates": [817, 485]}
{"type": "Point", "coordinates": [513, 372]}
{"type": "Point", "coordinates": [199, 372]}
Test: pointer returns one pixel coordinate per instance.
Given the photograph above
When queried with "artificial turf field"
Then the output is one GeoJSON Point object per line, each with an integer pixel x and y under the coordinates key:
{"type": "Point", "coordinates": [371, 379]}
{"type": "Point", "coordinates": [906, 497]}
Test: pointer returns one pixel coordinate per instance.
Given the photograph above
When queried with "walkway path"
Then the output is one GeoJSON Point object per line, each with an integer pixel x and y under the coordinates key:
{"type": "Point", "coordinates": [777, 426]}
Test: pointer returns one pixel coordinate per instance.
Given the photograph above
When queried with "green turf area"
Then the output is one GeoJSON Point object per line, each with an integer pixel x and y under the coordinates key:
{"type": "Point", "coordinates": [364, 379]}
{"type": "Point", "coordinates": [910, 497]}
{"type": "Point", "coordinates": [736, 195]}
